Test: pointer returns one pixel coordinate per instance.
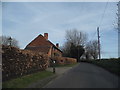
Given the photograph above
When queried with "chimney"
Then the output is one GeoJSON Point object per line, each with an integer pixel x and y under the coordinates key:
{"type": "Point", "coordinates": [57, 45]}
{"type": "Point", "coordinates": [46, 36]}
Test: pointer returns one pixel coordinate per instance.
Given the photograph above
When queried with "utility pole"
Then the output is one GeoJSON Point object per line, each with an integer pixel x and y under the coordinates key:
{"type": "Point", "coordinates": [98, 43]}
{"type": "Point", "coordinates": [118, 14]}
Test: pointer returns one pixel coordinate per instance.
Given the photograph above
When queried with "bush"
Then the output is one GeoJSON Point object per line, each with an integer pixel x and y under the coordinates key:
{"type": "Point", "coordinates": [16, 62]}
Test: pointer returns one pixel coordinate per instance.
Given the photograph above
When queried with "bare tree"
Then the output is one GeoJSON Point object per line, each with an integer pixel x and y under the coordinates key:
{"type": "Point", "coordinates": [4, 40]}
{"type": "Point", "coordinates": [75, 41]}
{"type": "Point", "coordinates": [76, 37]}
{"type": "Point", "coordinates": [92, 49]}
{"type": "Point", "coordinates": [66, 48]}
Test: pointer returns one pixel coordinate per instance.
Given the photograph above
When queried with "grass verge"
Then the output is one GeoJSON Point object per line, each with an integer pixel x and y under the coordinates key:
{"type": "Point", "coordinates": [112, 65]}
{"type": "Point", "coordinates": [24, 81]}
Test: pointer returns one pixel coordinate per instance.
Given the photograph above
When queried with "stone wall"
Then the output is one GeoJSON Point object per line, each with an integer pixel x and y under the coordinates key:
{"type": "Point", "coordinates": [16, 62]}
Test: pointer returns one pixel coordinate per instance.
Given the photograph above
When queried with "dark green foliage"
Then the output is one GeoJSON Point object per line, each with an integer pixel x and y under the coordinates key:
{"type": "Point", "coordinates": [75, 41]}
{"type": "Point", "coordinates": [75, 51]}
{"type": "Point", "coordinates": [112, 65]}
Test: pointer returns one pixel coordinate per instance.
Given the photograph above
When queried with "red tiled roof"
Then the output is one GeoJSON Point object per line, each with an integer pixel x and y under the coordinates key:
{"type": "Point", "coordinates": [38, 41]}
{"type": "Point", "coordinates": [40, 44]}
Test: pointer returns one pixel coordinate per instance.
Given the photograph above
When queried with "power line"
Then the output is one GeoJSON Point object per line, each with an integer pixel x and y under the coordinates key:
{"type": "Point", "coordinates": [100, 19]}
{"type": "Point", "coordinates": [98, 31]}
{"type": "Point", "coordinates": [103, 14]}
{"type": "Point", "coordinates": [93, 36]}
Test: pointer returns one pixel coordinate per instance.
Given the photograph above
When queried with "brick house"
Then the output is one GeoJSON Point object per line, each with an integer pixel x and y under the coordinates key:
{"type": "Point", "coordinates": [42, 44]}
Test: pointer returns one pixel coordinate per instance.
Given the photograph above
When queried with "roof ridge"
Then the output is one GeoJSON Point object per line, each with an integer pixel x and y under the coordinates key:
{"type": "Point", "coordinates": [41, 41]}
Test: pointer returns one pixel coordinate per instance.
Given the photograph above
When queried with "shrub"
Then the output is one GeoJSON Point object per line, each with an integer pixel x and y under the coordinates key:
{"type": "Point", "coordinates": [16, 62]}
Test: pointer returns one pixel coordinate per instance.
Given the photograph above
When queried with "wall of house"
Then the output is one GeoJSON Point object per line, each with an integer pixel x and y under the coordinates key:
{"type": "Point", "coordinates": [54, 52]}
{"type": "Point", "coordinates": [50, 52]}
{"type": "Point", "coordinates": [57, 53]}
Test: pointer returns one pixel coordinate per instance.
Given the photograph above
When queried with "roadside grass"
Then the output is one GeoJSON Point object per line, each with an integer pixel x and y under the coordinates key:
{"type": "Point", "coordinates": [112, 65]}
{"type": "Point", "coordinates": [24, 81]}
{"type": "Point", "coordinates": [66, 65]}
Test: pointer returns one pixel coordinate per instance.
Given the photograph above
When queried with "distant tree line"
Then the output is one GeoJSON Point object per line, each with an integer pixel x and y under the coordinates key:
{"type": "Point", "coordinates": [77, 46]}
{"type": "Point", "coordinates": [5, 40]}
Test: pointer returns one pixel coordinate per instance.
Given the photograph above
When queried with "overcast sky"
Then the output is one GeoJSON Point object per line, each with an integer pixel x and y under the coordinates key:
{"type": "Point", "coordinates": [26, 20]}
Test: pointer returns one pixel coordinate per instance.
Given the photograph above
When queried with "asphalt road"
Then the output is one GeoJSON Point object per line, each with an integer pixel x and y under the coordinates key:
{"type": "Point", "coordinates": [85, 75]}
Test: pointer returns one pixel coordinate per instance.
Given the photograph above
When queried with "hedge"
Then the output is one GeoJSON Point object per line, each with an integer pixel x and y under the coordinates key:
{"type": "Point", "coordinates": [16, 62]}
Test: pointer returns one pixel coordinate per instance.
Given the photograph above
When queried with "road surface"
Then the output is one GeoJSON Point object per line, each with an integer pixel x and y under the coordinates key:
{"type": "Point", "coordinates": [85, 75]}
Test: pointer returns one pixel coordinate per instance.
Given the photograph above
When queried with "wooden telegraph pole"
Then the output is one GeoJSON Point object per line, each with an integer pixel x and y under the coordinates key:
{"type": "Point", "coordinates": [98, 43]}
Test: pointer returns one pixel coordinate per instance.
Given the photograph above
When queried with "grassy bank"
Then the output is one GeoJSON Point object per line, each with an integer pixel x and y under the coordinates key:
{"type": "Point", "coordinates": [112, 65]}
{"type": "Point", "coordinates": [24, 81]}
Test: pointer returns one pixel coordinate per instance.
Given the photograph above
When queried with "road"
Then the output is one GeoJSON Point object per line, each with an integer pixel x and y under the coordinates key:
{"type": "Point", "coordinates": [85, 75]}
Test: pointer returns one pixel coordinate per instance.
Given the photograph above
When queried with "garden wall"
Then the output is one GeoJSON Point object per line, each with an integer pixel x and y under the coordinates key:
{"type": "Point", "coordinates": [64, 60]}
{"type": "Point", "coordinates": [16, 62]}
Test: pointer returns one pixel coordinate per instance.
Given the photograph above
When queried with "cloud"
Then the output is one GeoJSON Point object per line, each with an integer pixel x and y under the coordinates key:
{"type": "Point", "coordinates": [25, 21]}
{"type": "Point", "coordinates": [59, 0]}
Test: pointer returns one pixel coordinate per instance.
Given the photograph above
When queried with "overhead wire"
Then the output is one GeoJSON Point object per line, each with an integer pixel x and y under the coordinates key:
{"type": "Point", "coordinates": [101, 20]}
{"type": "Point", "coordinates": [103, 14]}
{"type": "Point", "coordinates": [95, 33]}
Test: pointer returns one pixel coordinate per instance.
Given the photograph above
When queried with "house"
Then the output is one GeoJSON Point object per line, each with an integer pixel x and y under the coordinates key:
{"type": "Point", "coordinates": [42, 44]}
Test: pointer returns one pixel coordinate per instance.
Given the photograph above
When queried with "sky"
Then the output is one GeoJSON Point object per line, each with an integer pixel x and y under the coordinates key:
{"type": "Point", "coordinates": [24, 21]}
